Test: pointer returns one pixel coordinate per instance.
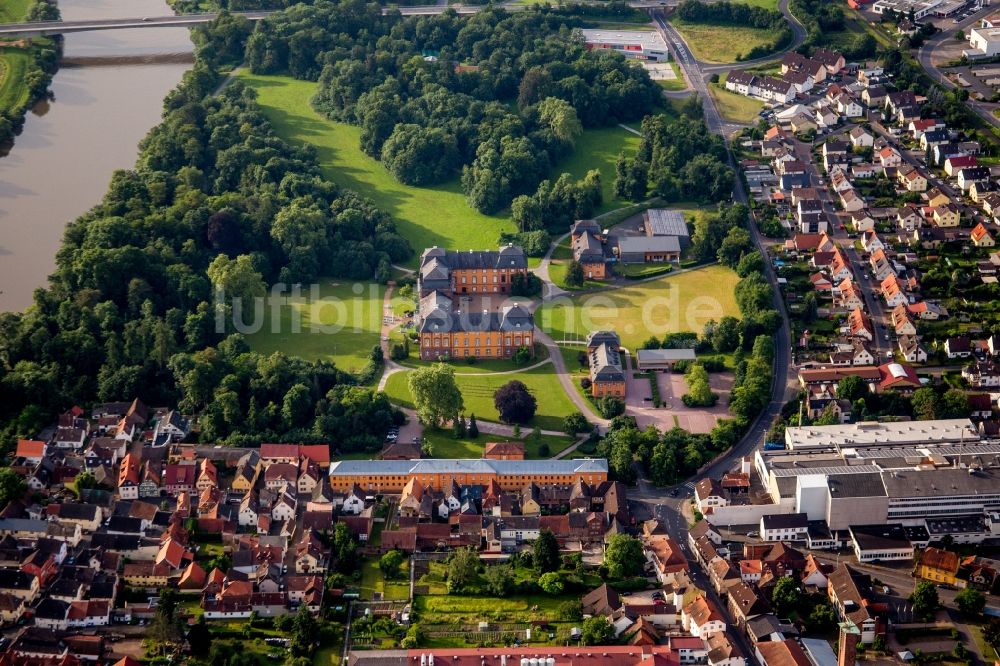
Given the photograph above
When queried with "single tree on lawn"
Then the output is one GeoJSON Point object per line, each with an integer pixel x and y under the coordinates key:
{"type": "Point", "coordinates": [925, 600]}
{"type": "Point", "coordinates": [435, 394]}
{"type": "Point", "coordinates": [514, 402]}
{"type": "Point", "coordinates": [574, 274]}
{"type": "Point", "coordinates": [499, 580]}
{"type": "Point", "coordinates": [576, 423]}
{"type": "Point", "coordinates": [971, 602]}
{"type": "Point", "coordinates": [623, 556]}
{"type": "Point", "coordinates": [991, 633]}
{"type": "Point", "coordinates": [546, 552]}
{"type": "Point", "coordinates": [596, 631]}
{"type": "Point", "coordinates": [786, 595]}
{"type": "Point", "coordinates": [390, 563]}
{"type": "Point", "coordinates": [463, 570]}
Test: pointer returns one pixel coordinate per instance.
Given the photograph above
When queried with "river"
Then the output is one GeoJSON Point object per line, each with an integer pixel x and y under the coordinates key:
{"type": "Point", "coordinates": [106, 96]}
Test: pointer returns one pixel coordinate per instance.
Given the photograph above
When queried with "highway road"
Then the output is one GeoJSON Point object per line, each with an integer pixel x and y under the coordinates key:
{"type": "Point", "coordinates": [37, 28]}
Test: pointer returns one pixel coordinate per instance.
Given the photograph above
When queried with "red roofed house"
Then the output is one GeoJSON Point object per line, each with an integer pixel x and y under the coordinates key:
{"type": "Point", "coordinates": [179, 478]}
{"type": "Point", "coordinates": [953, 164]}
{"type": "Point", "coordinates": [898, 377]}
{"type": "Point", "coordinates": [981, 237]}
{"type": "Point", "coordinates": [504, 450]}
{"type": "Point", "coordinates": [31, 450]}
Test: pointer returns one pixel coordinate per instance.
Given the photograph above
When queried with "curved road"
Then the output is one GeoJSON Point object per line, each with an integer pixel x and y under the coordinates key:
{"type": "Point", "coordinates": [925, 57]}
{"type": "Point", "coordinates": [798, 37]}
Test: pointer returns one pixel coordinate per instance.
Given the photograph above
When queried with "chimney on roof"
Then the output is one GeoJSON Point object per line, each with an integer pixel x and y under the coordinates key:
{"type": "Point", "coordinates": [848, 650]}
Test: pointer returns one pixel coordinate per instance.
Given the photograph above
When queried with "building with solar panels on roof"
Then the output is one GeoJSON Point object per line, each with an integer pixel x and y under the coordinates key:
{"type": "Point", "coordinates": [666, 222]}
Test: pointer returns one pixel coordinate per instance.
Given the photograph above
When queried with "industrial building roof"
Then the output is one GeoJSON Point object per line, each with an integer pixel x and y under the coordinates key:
{"type": "Point", "coordinates": [870, 433]}
{"type": "Point", "coordinates": [665, 222]}
{"type": "Point", "coordinates": [467, 466]}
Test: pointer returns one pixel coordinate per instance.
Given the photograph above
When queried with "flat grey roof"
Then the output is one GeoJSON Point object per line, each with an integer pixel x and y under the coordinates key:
{"type": "Point", "coordinates": [637, 244]}
{"type": "Point", "coordinates": [664, 355]}
{"type": "Point", "coordinates": [646, 39]}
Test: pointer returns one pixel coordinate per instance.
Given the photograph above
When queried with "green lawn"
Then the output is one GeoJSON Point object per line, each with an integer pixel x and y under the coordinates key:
{"type": "Point", "coordinates": [737, 108]}
{"type": "Point", "coordinates": [721, 43]}
{"type": "Point", "coordinates": [599, 149]}
{"type": "Point", "coordinates": [328, 656]}
{"type": "Point", "coordinates": [14, 65]}
{"type": "Point", "coordinates": [766, 4]}
{"type": "Point", "coordinates": [13, 11]}
{"type": "Point", "coordinates": [678, 302]}
{"type": "Point", "coordinates": [358, 317]}
{"type": "Point", "coordinates": [477, 391]}
{"type": "Point", "coordinates": [425, 216]}
{"type": "Point", "coordinates": [444, 445]}
{"type": "Point", "coordinates": [373, 581]}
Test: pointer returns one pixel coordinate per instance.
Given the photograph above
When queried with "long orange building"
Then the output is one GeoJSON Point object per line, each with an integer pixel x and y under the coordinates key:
{"type": "Point", "coordinates": [391, 476]}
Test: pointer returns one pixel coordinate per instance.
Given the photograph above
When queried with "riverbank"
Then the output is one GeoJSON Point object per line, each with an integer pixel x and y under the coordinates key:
{"type": "Point", "coordinates": [26, 70]}
{"type": "Point", "coordinates": [88, 124]}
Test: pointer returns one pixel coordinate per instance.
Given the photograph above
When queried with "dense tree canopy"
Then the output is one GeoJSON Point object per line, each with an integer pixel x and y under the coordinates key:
{"type": "Point", "coordinates": [215, 200]}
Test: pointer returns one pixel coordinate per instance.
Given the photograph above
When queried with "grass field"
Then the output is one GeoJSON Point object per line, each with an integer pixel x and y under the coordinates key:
{"type": "Point", "coordinates": [13, 11]}
{"type": "Point", "coordinates": [359, 315]}
{"type": "Point", "coordinates": [677, 83]}
{"type": "Point", "coordinates": [14, 65]}
{"type": "Point", "coordinates": [599, 149]}
{"type": "Point", "coordinates": [477, 390]}
{"type": "Point", "coordinates": [766, 4]}
{"type": "Point", "coordinates": [736, 108]}
{"type": "Point", "coordinates": [372, 582]}
{"type": "Point", "coordinates": [678, 302]}
{"type": "Point", "coordinates": [720, 43]}
{"type": "Point", "coordinates": [444, 445]}
{"type": "Point", "coordinates": [425, 216]}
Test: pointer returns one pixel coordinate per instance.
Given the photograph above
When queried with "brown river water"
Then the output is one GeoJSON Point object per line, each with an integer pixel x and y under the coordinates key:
{"type": "Point", "coordinates": [106, 96]}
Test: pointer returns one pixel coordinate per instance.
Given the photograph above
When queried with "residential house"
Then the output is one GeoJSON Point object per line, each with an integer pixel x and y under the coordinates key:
{"type": "Point", "coordinates": [981, 237]}
{"type": "Point", "coordinates": [911, 179]}
{"type": "Point", "coordinates": [862, 221]}
{"type": "Point", "coordinates": [969, 175]}
{"type": "Point", "coordinates": [861, 138]}
{"type": "Point", "coordinates": [947, 215]}
{"type": "Point", "coordinates": [850, 592]}
{"type": "Point", "coordinates": [955, 163]}
{"type": "Point", "coordinates": [958, 347]}
{"type": "Point", "coordinates": [702, 618]}
{"type": "Point", "coordinates": [938, 566]}
{"type": "Point", "coordinates": [911, 349]}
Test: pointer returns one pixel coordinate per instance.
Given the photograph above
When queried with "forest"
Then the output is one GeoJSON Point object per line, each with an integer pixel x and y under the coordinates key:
{"type": "Point", "coordinates": [215, 202]}
{"type": "Point", "coordinates": [498, 97]}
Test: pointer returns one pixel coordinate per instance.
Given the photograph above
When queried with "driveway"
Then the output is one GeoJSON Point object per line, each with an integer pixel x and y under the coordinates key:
{"type": "Point", "coordinates": [671, 387]}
